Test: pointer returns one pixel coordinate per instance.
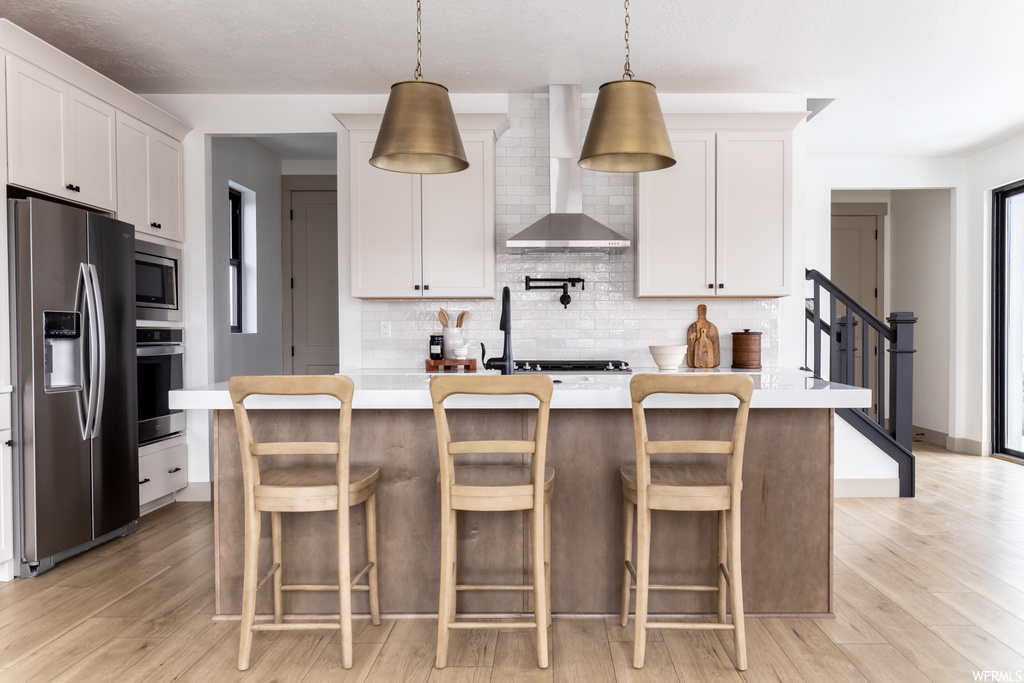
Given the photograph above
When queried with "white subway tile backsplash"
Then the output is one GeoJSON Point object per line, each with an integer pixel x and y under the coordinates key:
{"type": "Point", "coordinates": [604, 320]}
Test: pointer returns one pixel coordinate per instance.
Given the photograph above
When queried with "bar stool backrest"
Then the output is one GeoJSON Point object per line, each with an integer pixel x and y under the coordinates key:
{"type": "Point", "coordinates": [538, 386]}
{"type": "Point", "coordinates": [738, 385]}
{"type": "Point", "coordinates": [338, 386]}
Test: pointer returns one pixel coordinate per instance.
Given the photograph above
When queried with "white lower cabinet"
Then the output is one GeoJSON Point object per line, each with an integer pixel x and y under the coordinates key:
{"type": "Point", "coordinates": [163, 469]}
{"type": "Point", "coordinates": [6, 505]}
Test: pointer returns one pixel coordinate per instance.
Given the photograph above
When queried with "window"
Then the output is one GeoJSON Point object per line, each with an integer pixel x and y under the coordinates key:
{"type": "Point", "coordinates": [235, 261]}
{"type": "Point", "coordinates": [1008, 319]}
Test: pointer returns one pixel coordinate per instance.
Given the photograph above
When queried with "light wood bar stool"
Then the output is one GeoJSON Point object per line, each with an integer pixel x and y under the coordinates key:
{"type": "Point", "coordinates": [495, 488]}
{"type": "Point", "coordinates": [303, 487]}
{"type": "Point", "coordinates": [685, 486]}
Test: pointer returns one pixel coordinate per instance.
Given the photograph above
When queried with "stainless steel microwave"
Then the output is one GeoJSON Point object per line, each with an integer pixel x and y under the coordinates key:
{"type": "Point", "coordinates": [156, 282]}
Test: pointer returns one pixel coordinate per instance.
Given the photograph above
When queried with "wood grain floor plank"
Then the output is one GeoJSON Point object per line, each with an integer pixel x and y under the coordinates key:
{"type": "Point", "coordinates": [985, 651]}
{"type": "Point", "coordinates": [220, 662]}
{"type": "Point", "coordinates": [461, 674]}
{"type": "Point", "coordinates": [108, 661]}
{"type": "Point", "coordinates": [766, 660]}
{"type": "Point", "coordinates": [167, 585]}
{"type": "Point", "coordinates": [408, 654]}
{"type": "Point", "coordinates": [848, 626]}
{"type": "Point", "coordinates": [696, 656]}
{"type": "Point", "coordinates": [618, 633]}
{"type": "Point", "coordinates": [64, 652]}
{"type": "Point", "coordinates": [658, 665]}
{"type": "Point", "coordinates": [164, 618]}
{"type": "Point", "coordinates": [179, 651]}
{"type": "Point", "coordinates": [920, 645]}
{"type": "Point", "coordinates": [815, 656]}
{"type": "Point", "coordinates": [328, 669]}
{"type": "Point", "coordinates": [990, 617]}
{"type": "Point", "coordinates": [472, 648]}
{"type": "Point", "coordinates": [882, 662]}
{"type": "Point", "coordinates": [290, 656]}
{"type": "Point", "coordinates": [583, 652]}
{"type": "Point", "coordinates": [515, 660]}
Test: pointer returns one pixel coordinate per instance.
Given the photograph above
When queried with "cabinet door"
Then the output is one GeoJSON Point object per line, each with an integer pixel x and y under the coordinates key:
{"type": "Point", "coordinates": [164, 187]}
{"type": "Point", "coordinates": [386, 239]}
{"type": "Point", "coordinates": [754, 213]}
{"type": "Point", "coordinates": [6, 499]}
{"type": "Point", "coordinates": [36, 131]}
{"type": "Point", "coordinates": [132, 172]}
{"type": "Point", "coordinates": [458, 225]}
{"type": "Point", "coordinates": [90, 160]}
{"type": "Point", "coordinates": [675, 221]}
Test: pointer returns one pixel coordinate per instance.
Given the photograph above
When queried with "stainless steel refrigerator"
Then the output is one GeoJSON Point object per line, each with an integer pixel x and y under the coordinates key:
{"type": "Point", "coordinates": [74, 373]}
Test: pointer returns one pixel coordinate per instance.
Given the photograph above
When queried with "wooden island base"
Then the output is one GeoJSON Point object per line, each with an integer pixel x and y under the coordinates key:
{"type": "Point", "coordinates": [787, 513]}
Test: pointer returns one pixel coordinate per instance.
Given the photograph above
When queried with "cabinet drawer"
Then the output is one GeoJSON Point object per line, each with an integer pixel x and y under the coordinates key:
{"type": "Point", "coordinates": [162, 471]}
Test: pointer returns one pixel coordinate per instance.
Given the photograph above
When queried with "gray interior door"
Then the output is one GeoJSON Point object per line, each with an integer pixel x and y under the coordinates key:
{"type": "Point", "coordinates": [315, 275]}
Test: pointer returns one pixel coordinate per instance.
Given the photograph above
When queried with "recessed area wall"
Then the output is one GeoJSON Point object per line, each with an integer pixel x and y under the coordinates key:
{"type": "Point", "coordinates": [604, 321]}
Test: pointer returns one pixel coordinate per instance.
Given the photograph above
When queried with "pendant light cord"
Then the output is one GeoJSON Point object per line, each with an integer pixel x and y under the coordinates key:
{"type": "Point", "coordinates": [627, 73]}
{"type": "Point", "coordinates": [418, 74]}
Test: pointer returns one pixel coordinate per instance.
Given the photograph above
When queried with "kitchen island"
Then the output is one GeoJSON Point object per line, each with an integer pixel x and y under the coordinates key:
{"type": "Point", "coordinates": [787, 496]}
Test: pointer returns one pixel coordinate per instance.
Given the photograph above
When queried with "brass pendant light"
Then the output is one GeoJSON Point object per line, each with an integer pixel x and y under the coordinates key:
{"type": "Point", "coordinates": [627, 131]}
{"type": "Point", "coordinates": [418, 133]}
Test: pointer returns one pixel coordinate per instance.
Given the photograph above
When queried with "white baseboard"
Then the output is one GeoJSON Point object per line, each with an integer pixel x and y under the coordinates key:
{"type": "Point", "coordinates": [867, 488]}
{"type": "Point", "coordinates": [968, 446]}
{"type": "Point", "coordinates": [196, 491]}
{"type": "Point", "coordinates": [931, 436]}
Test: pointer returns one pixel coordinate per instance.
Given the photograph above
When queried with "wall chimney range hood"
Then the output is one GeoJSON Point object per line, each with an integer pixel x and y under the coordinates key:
{"type": "Point", "coordinates": [566, 230]}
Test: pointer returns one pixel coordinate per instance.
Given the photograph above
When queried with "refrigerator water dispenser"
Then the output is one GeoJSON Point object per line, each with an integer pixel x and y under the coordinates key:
{"type": "Point", "coordinates": [62, 351]}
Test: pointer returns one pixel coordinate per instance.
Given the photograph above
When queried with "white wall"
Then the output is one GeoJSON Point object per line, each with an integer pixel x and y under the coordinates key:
{"type": "Point", "coordinates": [257, 351]}
{"type": "Point", "coordinates": [921, 235]}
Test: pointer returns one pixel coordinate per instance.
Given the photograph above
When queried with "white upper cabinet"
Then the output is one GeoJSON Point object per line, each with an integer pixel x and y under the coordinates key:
{"type": "Point", "coordinates": [61, 139]}
{"type": "Point", "coordinates": [719, 222]}
{"type": "Point", "coordinates": [423, 236]}
{"type": "Point", "coordinates": [148, 179]}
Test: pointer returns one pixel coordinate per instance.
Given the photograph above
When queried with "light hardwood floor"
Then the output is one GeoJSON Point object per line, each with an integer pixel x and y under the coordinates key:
{"type": "Point", "coordinates": [930, 588]}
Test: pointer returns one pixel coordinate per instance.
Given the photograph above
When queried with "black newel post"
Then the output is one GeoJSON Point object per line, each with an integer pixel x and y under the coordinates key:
{"type": "Point", "coordinates": [901, 390]}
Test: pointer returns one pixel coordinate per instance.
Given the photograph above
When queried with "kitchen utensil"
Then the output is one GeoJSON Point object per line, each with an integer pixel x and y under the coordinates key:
{"type": "Point", "coordinates": [463, 317]}
{"type": "Point", "coordinates": [746, 350]}
{"type": "Point", "coordinates": [702, 342]}
{"type": "Point", "coordinates": [443, 317]}
{"type": "Point", "coordinates": [668, 357]}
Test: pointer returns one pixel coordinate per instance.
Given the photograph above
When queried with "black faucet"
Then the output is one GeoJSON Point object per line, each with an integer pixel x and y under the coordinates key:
{"type": "Point", "coordinates": [505, 362]}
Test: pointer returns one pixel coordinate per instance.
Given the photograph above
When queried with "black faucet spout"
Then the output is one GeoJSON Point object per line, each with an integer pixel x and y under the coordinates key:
{"type": "Point", "coordinates": [504, 363]}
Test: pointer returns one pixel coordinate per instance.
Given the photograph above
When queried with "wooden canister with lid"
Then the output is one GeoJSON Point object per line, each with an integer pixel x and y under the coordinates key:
{"type": "Point", "coordinates": [746, 350]}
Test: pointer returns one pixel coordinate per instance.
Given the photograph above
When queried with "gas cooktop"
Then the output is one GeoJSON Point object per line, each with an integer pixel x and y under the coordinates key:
{"type": "Point", "coordinates": [572, 366]}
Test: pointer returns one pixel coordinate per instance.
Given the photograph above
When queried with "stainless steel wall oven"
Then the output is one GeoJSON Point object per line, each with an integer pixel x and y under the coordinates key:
{"type": "Point", "coordinates": [160, 354]}
{"type": "Point", "coordinates": [156, 282]}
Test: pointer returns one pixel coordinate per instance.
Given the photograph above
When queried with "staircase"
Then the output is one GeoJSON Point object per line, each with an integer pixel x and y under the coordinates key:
{"type": "Point", "coordinates": [845, 354]}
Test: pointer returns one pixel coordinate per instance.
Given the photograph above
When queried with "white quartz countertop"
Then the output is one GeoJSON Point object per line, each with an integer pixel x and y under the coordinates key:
{"type": "Point", "coordinates": [408, 389]}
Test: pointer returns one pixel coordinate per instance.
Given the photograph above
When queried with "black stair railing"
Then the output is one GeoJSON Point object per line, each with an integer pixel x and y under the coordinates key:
{"type": "Point", "coordinates": [895, 340]}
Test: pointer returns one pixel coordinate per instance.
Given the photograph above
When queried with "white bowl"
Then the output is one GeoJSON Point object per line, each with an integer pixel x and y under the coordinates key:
{"type": "Point", "coordinates": [668, 357]}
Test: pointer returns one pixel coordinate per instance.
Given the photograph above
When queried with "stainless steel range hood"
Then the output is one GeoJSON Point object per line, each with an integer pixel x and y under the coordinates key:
{"type": "Point", "coordinates": [566, 230]}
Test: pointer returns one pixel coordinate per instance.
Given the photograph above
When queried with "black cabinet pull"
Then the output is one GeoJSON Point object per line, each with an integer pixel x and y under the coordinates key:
{"type": "Point", "coordinates": [720, 285]}
{"type": "Point", "coordinates": [144, 481]}
{"type": "Point", "coordinates": [8, 443]}
{"type": "Point", "coordinates": [711, 286]}
{"type": "Point", "coordinates": [426, 287]}
{"type": "Point", "coordinates": [176, 469]}
{"type": "Point", "coordinates": [155, 225]}
{"type": "Point", "coordinates": [74, 188]}
{"type": "Point", "coordinates": [416, 287]}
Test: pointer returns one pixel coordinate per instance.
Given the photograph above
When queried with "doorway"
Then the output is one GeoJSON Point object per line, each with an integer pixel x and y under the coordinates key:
{"type": "Point", "coordinates": [857, 268]}
{"type": "Point", "coordinates": [311, 203]}
{"type": "Point", "coordinates": [1008, 319]}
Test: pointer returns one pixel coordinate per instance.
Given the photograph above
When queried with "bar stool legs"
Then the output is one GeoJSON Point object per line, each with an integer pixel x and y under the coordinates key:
{"type": "Point", "coordinates": [249, 579]}
{"type": "Point", "coordinates": [736, 588]}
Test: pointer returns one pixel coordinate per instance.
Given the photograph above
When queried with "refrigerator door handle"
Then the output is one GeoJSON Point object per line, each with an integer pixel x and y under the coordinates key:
{"type": "Point", "coordinates": [91, 383]}
{"type": "Point", "coordinates": [83, 297]}
{"type": "Point", "coordinates": [101, 348]}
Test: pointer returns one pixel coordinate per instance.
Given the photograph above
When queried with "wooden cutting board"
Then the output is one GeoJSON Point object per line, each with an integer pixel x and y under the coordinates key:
{"type": "Point", "coordinates": [702, 350]}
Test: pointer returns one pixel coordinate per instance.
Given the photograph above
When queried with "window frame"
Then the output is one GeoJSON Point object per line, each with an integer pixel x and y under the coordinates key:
{"type": "Point", "coordinates": [235, 260]}
{"type": "Point", "coordinates": [1000, 266]}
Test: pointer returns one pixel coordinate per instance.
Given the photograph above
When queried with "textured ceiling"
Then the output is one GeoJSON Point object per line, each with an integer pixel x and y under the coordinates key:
{"type": "Point", "coordinates": [909, 77]}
